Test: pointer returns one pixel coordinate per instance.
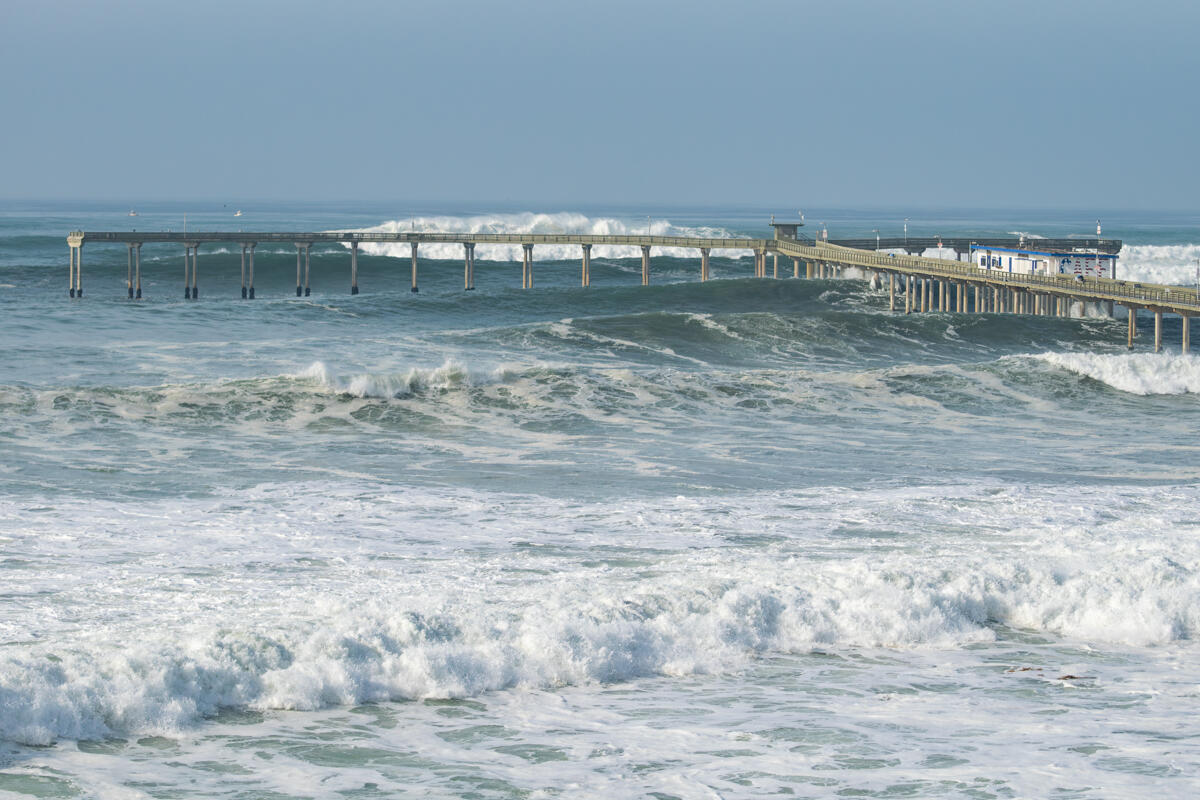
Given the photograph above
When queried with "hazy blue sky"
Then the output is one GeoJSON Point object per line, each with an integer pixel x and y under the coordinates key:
{"type": "Point", "coordinates": [558, 104]}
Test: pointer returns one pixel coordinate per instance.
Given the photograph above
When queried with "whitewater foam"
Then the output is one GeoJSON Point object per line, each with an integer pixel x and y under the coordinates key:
{"type": "Point", "coordinates": [1173, 264]}
{"type": "Point", "coordinates": [533, 223]}
{"type": "Point", "coordinates": [346, 595]}
{"type": "Point", "coordinates": [1136, 373]}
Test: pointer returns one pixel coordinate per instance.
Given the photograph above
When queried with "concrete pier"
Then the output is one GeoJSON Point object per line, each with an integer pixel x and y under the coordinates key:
{"type": "Point", "coordinates": [994, 290]}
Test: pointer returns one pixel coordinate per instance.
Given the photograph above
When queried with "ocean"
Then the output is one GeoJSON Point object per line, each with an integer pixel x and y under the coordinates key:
{"type": "Point", "coordinates": [741, 538]}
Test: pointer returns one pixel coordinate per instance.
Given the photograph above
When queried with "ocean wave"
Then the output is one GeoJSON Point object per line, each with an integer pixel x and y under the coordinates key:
{"type": "Point", "coordinates": [1172, 264]}
{"type": "Point", "coordinates": [1135, 373]}
{"type": "Point", "coordinates": [416, 636]}
{"type": "Point", "coordinates": [563, 222]}
{"type": "Point", "coordinates": [450, 376]}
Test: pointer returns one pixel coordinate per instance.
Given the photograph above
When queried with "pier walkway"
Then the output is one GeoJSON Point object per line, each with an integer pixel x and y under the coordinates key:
{"type": "Point", "coordinates": [925, 284]}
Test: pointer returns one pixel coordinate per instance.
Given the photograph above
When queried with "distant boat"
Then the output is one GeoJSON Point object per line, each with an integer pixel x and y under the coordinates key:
{"type": "Point", "coordinates": [237, 213]}
{"type": "Point", "coordinates": [132, 213]}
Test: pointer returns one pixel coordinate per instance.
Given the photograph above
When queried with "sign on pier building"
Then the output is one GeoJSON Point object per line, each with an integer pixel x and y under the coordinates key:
{"type": "Point", "coordinates": [1085, 263]}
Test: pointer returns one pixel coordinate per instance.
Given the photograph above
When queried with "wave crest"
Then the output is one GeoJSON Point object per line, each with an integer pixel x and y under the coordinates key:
{"type": "Point", "coordinates": [532, 223]}
{"type": "Point", "coordinates": [1136, 373]}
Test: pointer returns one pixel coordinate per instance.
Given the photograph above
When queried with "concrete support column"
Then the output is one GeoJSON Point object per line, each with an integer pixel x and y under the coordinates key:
{"type": "Point", "coordinates": [187, 258]}
{"type": "Point", "coordinates": [908, 294]}
{"type": "Point", "coordinates": [891, 291]}
{"type": "Point", "coordinates": [1186, 340]}
{"type": "Point", "coordinates": [468, 259]}
{"type": "Point", "coordinates": [252, 270]}
{"type": "Point", "coordinates": [795, 267]}
{"type": "Point", "coordinates": [71, 269]}
{"type": "Point", "coordinates": [645, 265]}
{"type": "Point", "coordinates": [129, 271]}
{"type": "Point", "coordinates": [299, 254]}
{"type": "Point", "coordinates": [775, 260]}
{"type": "Point", "coordinates": [704, 265]}
{"type": "Point", "coordinates": [307, 287]}
{"type": "Point", "coordinates": [195, 272]}
{"type": "Point", "coordinates": [354, 268]}
{"type": "Point", "coordinates": [924, 290]}
{"type": "Point", "coordinates": [528, 260]}
{"type": "Point", "coordinates": [79, 271]}
{"type": "Point", "coordinates": [1132, 326]}
{"type": "Point", "coordinates": [243, 271]}
{"type": "Point", "coordinates": [585, 275]}
{"type": "Point", "coordinates": [1158, 331]}
{"type": "Point", "coordinates": [414, 266]}
{"type": "Point", "coordinates": [942, 289]}
{"type": "Point", "coordinates": [137, 271]}
{"type": "Point", "coordinates": [809, 269]}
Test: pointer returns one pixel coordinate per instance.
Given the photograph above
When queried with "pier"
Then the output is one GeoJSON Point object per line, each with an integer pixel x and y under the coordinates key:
{"type": "Point", "coordinates": [922, 284]}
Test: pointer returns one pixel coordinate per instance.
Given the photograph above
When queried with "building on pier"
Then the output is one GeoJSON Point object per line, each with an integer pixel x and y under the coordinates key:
{"type": "Point", "coordinates": [1028, 261]}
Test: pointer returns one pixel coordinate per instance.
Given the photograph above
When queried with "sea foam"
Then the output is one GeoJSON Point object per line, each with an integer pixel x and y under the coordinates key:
{"type": "Point", "coordinates": [531, 223]}
{"type": "Point", "coordinates": [301, 600]}
{"type": "Point", "coordinates": [1136, 373]}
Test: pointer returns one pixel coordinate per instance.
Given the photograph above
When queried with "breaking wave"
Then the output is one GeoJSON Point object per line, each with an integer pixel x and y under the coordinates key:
{"type": "Point", "coordinates": [1136, 373]}
{"type": "Point", "coordinates": [563, 222]}
{"type": "Point", "coordinates": [398, 632]}
{"type": "Point", "coordinates": [1172, 264]}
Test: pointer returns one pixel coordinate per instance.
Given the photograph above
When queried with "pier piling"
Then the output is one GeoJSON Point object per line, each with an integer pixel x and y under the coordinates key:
{"type": "Point", "coordinates": [414, 267]}
{"type": "Point", "coordinates": [307, 249]}
{"type": "Point", "coordinates": [354, 268]}
{"type": "Point", "coordinates": [585, 275]}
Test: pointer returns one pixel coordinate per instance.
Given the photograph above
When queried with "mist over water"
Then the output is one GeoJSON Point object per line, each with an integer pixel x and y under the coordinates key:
{"type": "Point", "coordinates": [737, 538]}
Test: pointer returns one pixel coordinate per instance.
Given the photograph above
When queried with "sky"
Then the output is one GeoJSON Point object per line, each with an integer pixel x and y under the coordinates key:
{"type": "Point", "coordinates": [552, 104]}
